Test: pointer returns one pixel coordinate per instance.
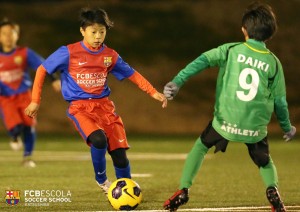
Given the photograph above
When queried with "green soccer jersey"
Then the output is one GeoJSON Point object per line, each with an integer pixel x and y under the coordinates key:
{"type": "Point", "coordinates": [250, 86]}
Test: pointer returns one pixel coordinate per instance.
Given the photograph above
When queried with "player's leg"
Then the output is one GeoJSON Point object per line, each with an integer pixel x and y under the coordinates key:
{"type": "Point", "coordinates": [191, 167]}
{"type": "Point", "coordinates": [29, 140]}
{"type": "Point", "coordinates": [16, 142]}
{"type": "Point", "coordinates": [118, 145]}
{"type": "Point", "coordinates": [96, 138]}
{"type": "Point", "coordinates": [259, 153]}
{"type": "Point", "coordinates": [117, 142]}
{"type": "Point", "coordinates": [121, 163]}
{"type": "Point", "coordinates": [12, 121]}
{"type": "Point", "coordinates": [28, 130]}
{"type": "Point", "coordinates": [98, 143]}
{"type": "Point", "coordinates": [193, 163]}
{"type": "Point", "coordinates": [29, 137]}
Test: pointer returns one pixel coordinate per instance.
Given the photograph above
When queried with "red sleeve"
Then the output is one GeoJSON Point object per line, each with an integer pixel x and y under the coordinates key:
{"type": "Point", "coordinates": [142, 83]}
{"type": "Point", "coordinates": [38, 84]}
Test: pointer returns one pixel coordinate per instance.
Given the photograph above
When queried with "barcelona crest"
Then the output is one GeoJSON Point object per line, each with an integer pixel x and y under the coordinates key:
{"type": "Point", "coordinates": [12, 197]}
{"type": "Point", "coordinates": [18, 60]}
{"type": "Point", "coordinates": [107, 61]}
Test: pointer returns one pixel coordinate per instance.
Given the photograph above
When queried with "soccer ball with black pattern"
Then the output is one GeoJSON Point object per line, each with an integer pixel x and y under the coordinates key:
{"type": "Point", "coordinates": [124, 194]}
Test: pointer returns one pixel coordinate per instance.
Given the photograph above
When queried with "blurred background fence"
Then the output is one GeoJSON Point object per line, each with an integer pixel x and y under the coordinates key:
{"type": "Point", "coordinates": [157, 38]}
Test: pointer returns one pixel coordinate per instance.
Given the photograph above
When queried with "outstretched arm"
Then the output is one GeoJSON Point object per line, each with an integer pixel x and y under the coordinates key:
{"type": "Point", "coordinates": [278, 90]}
{"type": "Point", "coordinates": [198, 65]}
{"type": "Point", "coordinates": [33, 107]}
{"type": "Point", "coordinates": [56, 83]}
{"type": "Point", "coordinates": [144, 85]}
{"type": "Point", "coordinates": [282, 114]}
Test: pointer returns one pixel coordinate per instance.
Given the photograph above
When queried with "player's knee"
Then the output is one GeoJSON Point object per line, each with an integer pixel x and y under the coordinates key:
{"type": "Point", "coordinates": [29, 129]}
{"type": "Point", "coordinates": [98, 139]}
{"type": "Point", "coordinates": [261, 159]}
{"type": "Point", "coordinates": [119, 158]}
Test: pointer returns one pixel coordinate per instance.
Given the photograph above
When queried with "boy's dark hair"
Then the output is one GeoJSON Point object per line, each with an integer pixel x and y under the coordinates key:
{"type": "Point", "coordinates": [260, 21]}
{"type": "Point", "coordinates": [94, 16]}
{"type": "Point", "coordinates": [14, 25]}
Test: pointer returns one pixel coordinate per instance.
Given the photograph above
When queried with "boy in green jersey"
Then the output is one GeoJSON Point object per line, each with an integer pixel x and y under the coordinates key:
{"type": "Point", "coordinates": [250, 86]}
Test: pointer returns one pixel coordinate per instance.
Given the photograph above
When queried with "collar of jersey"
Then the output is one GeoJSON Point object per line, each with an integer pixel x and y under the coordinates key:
{"type": "Point", "coordinates": [257, 46]}
{"type": "Point", "coordinates": [90, 51]}
{"type": "Point", "coordinates": [8, 53]}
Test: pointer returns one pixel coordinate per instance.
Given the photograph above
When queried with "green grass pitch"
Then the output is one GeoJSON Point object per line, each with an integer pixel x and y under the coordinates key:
{"type": "Point", "coordinates": [225, 180]}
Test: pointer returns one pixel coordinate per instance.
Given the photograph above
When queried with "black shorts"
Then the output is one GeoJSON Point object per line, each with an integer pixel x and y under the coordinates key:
{"type": "Point", "coordinates": [210, 137]}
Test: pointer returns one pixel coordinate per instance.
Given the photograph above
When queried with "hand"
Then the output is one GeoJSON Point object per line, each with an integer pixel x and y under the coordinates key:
{"type": "Point", "coordinates": [160, 97]}
{"type": "Point", "coordinates": [32, 109]}
{"type": "Point", "coordinates": [170, 90]}
{"type": "Point", "coordinates": [56, 85]}
{"type": "Point", "coordinates": [289, 135]}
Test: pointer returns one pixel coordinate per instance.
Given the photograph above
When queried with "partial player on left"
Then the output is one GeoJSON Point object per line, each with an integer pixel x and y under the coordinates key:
{"type": "Point", "coordinates": [15, 89]}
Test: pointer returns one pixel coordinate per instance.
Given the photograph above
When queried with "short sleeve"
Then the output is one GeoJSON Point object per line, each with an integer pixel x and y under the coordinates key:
{"type": "Point", "coordinates": [34, 60]}
{"type": "Point", "coordinates": [217, 57]}
{"type": "Point", "coordinates": [121, 69]}
{"type": "Point", "coordinates": [59, 60]}
{"type": "Point", "coordinates": [278, 88]}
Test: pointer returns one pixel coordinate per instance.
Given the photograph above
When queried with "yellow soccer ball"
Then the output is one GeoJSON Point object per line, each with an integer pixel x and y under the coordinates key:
{"type": "Point", "coordinates": [124, 194]}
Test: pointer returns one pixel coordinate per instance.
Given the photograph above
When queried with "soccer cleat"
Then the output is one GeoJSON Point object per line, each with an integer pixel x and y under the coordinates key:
{"type": "Point", "coordinates": [180, 197]}
{"type": "Point", "coordinates": [16, 145]}
{"type": "Point", "coordinates": [28, 162]}
{"type": "Point", "coordinates": [275, 200]}
{"type": "Point", "coordinates": [104, 186]}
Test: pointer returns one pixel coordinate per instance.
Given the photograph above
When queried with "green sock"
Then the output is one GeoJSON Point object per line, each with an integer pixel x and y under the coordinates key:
{"type": "Point", "coordinates": [192, 164]}
{"type": "Point", "coordinates": [269, 174]}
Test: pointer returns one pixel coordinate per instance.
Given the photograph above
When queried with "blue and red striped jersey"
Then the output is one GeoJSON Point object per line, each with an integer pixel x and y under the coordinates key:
{"type": "Point", "coordinates": [14, 70]}
{"type": "Point", "coordinates": [84, 72]}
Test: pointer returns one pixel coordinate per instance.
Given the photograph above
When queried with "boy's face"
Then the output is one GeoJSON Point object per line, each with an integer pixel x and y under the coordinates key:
{"type": "Point", "coordinates": [94, 34]}
{"type": "Point", "coordinates": [8, 37]}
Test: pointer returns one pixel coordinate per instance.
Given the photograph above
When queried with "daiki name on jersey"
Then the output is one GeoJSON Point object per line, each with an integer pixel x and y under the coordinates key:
{"type": "Point", "coordinates": [253, 62]}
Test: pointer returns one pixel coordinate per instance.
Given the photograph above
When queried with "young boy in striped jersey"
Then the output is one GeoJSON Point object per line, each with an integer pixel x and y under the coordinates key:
{"type": "Point", "coordinates": [84, 68]}
{"type": "Point", "coordinates": [250, 86]}
{"type": "Point", "coordinates": [15, 89]}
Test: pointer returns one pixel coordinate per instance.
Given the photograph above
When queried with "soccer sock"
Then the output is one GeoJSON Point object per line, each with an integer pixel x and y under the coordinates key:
{"type": "Point", "coordinates": [123, 172]}
{"type": "Point", "coordinates": [29, 140]}
{"type": "Point", "coordinates": [99, 163]}
{"type": "Point", "coordinates": [193, 164]}
{"type": "Point", "coordinates": [269, 174]}
{"type": "Point", "coordinates": [16, 131]}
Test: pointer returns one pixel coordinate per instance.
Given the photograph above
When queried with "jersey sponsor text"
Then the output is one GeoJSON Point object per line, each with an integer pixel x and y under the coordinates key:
{"type": "Point", "coordinates": [234, 129]}
{"type": "Point", "coordinates": [11, 76]}
{"type": "Point", "coordinates": [91, 79]}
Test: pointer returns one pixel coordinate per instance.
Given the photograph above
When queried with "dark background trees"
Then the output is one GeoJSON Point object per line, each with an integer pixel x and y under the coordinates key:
{"type": "Point", "coordinates": [157, 38]}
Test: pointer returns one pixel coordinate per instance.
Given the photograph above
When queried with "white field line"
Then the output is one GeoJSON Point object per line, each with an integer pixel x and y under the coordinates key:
{"type": "Point", "coordinates": [7, 155]}
{"type": "Point", "coordinates": [84, 156]}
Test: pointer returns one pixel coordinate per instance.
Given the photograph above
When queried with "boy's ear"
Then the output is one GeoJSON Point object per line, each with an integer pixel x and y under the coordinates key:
{"type": "Point", "coordinates": [243, 30]}
{"type": "Point", "coordinates": [245, 33]}
{"type": "Point", "coordinates": [82, 31]}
